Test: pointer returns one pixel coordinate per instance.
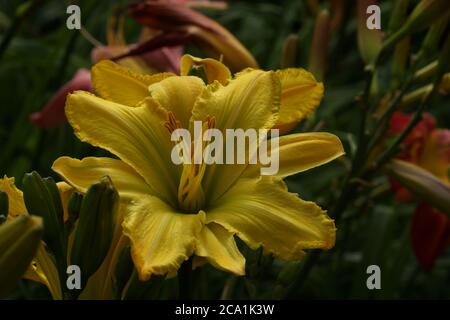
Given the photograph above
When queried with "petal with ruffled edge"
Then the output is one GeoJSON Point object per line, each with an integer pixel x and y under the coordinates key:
{"type": "Point", "coordinates": [250, 100]}
{"type": "Point", "coordinates": [300, 152]}
{"type": "Point", "coordinates": [300, 96]}
{"type": "Point", "coordinates": [119, 84]}
{"type": "Point", "coordinates": [214, 69]}
{"type": "Point", "coordinates": [136, 135]}
{"type": "Point", "coordinates": [262, 212]}
{"type": "Point", "coordinates": [161, 238]}
{"type": "Point", "coordinates": [218, 246]}
{"type": "Point", "coordinates": [81, 174]}
{"type": "Point", "coordinates": [15, 197]}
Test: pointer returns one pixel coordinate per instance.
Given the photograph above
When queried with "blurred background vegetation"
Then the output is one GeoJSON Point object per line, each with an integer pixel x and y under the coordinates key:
{"type": "Point", "coordinates": [38, 54]}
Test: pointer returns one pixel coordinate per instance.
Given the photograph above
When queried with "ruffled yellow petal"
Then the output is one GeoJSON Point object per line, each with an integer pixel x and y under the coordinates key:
{"type": "Point", "coordinates": [178, 95]}
{"type": "Point", "coordinates": [15, 197]}
{"type": "Point", "coordinates": [161, 238]}
{"type": "Point", "coordinates": [136, 135]}
{"type": "Point", "coordinates": [251, 100]}
{"type": "Point", "coordinates": [214, 69]}
{"type": "Point", "coordinates": [302, 151]}
{"type": "Point", "coordinates": [300, 96]}
{"type": "Point", "coordinates": [81, 174]}
{"type": "Point", "coordinates": [119, 84]}
{"type": "Point", "coordinates": [262, 212]}
{"type": "Point", "coordinates": [217, 245]}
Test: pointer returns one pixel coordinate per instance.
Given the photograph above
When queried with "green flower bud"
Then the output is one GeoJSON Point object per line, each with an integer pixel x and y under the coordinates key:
{"type": "Point", "coordinates": [425, 72]}
{"type": "Point", "coordinates": [319, 46]}
{"type": "Point", "coordinates": [369, 40]}
{"type": "Point", "coordinates": [434, 35]}
{"type": "Point", "coordinates": [423, 15]}
{"type": "Point", "coordinates": [416, 96]}
{"type": "Point", "coordinates": [124, 270]}
{"type": "Point", "coordinates": [398, 15]}
{"type": "Point", "coordinates": [19, 241]}
{"type": "Point", "coordinates": [289, 51]}
{"type": "Point", "coordinates": [422, 183]}
{"type": "Point", "coordinates": [42, 198]}
{"type": "Point", "coordinates": [399, 62]}
{"type": "Point", "coordinates": [74, 206]}
{"type": "Point", "coordinates": [73, 209]}
{"type": "Point", "coordinates": [94, 232]}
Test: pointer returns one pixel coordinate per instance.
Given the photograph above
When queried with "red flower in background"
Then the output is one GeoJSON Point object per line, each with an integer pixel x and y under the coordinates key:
{"type": "Point", "coordinates": [430, 234]}
{"type": "Point", "coordinates": [429, 148]}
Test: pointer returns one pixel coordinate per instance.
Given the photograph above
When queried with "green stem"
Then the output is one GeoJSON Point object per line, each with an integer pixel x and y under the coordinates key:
{"type": "Point", "coordinates": [348, 187]}
{"type": "Point", "coordinates": [362, 152]}
{"type": "Point", "coordinates": [383, 123]}
{"type": "Point", "coordinates": [310, 261]}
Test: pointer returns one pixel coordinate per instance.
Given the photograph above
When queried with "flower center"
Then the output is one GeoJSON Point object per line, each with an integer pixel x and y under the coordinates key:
{"type": "Point", "coordinates": [191, 196]}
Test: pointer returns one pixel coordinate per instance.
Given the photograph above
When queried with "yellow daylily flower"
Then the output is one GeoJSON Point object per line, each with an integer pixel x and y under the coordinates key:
{"type": "Point", "coordinates": [178, 211]}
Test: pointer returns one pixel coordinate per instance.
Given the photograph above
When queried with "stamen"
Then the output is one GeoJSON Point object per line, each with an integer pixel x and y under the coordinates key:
{"type": "Point", "coordinates": [211, 122]}
{"type": "Point", "coordinates": [191, 196]}
{"type": "Point", "coordinates": [171, 122]}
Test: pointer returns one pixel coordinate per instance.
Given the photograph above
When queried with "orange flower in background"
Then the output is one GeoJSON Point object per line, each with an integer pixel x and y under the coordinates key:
{"type": "Point", "coordinates": [428, 147]}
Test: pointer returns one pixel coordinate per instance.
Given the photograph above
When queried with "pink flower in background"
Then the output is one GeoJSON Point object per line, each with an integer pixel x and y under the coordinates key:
{"type": "Point", "coordinates": [53, 114]}
{"type": "Point", "coordinates": [161, 58]}
{"type": "Point", "coordinates": [158, 49]}
{"type": "Point", "coordinates": [208, 35]}
{"type": "Point", "coordinates": [155, 51]}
